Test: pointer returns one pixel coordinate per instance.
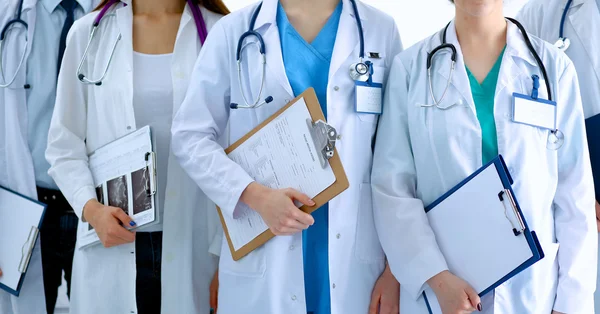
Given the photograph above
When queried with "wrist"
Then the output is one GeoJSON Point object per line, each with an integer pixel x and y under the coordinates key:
{"type": "Point", "coordinates": [89, 210]}
{"type": "Point", "coordinates": [436, 281]}
{"type": "Point", "coordinates": [252, 195]}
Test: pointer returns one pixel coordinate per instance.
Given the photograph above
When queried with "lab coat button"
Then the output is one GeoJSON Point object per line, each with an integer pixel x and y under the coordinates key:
{"type": "Point", "coordinates": [129, 127]}
{"type": "Point", "coordinates": [336, 88]}
{"type": "Point", "coordinates": [339, 137]}
{"type": "Point", "coordinates": [293, 298]}
{"type": "Point", "coordinates": [338, 235]}
{"type": "Point", "coordinates": [292, 247]}
{"type": "Point", "coordinates": [333, 286]}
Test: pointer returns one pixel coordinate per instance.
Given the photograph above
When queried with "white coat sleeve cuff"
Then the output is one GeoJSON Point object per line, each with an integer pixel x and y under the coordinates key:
{"type": "Point", "coordinates": [215, 245]}
{"type": "Point", "coordinates": [235, 193]}
{"type": "Point", "coordinates": [573, 303]}
{"type": "Point", "coordinates": [424, 266]}
{"type": "Point", "coordinates": [81, 197]}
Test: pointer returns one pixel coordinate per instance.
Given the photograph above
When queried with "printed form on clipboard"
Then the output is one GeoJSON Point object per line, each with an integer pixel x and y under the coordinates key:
{"type": "Point", "coordinates": [294, 148]}
{"type": "Point", "coordinates": [124, 174]}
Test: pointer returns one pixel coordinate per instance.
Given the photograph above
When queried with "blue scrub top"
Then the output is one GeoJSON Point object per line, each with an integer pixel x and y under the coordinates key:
{"type": "Point", "coordinates": [307, 65]}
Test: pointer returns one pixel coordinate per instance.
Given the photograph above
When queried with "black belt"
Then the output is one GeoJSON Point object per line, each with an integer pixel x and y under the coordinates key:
{"type": "Point", "coordinates": [55, 200]}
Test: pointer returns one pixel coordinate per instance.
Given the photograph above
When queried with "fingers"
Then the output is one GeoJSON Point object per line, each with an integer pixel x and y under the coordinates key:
{"type": "Point", "coordinates": [298, 196]}
{"type": "Point", "coordinates": [598, 225]}
{"type": "Point", "coordinates": [598, 216]}
{"type": "Point", "coordinates": [0, 272]}
{"type": "Point", "coordinates": [302, 217]}
{"type": "Point", "coordinates": [122, 217]}
{"type": "Point", "coordinates": [474, 299]}
{"type": "Point", "coordinates": [375, 297]}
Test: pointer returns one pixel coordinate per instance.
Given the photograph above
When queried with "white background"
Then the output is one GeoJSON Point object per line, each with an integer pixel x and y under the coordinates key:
{"type": "Point", "coordinates": [416, 19]}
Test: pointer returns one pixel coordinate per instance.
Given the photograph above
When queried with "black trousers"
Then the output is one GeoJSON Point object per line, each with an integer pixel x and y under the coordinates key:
{"type": "Point", "coordinates": [57, 238]}
{"type": "Point", "coordinates": [148, 252]}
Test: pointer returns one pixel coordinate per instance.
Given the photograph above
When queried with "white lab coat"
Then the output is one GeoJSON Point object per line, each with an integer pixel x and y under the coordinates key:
{"type": "Point", "coordinates": [270, 279]}
{"type": "Point", "coordinates": [423, 152]}
{"type": "Point", "coordinates": [16, 164]}
{"type": "Point", "coordinates": [542, 18]}
{"type": "Point", "coordinates": [87, 117]}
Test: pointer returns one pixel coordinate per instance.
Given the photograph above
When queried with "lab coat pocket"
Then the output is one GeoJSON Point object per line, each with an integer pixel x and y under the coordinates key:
{"type": "Point", "coordinates": [367, 246]}
{"type": "Point", "coordinates": [252, 265]}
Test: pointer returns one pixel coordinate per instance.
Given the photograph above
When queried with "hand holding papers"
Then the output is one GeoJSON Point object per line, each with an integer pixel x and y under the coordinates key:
{"type": "Point", "coordinates": [481, 231]}
{"type": "Point", "coordinates": [125, 178]}
{"type": "Point", "coordinates": [291, 149]}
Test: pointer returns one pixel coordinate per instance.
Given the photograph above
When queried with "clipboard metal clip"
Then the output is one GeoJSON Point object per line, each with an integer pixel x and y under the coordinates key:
{"type": "Point", "coordinates": [27, 249]}
{"type": "Point", "coordinates": [511, 200]}
{"type": "Point", "coordinates": [150, 188]}
{"type": "Point", "coordinates": [324, 137]}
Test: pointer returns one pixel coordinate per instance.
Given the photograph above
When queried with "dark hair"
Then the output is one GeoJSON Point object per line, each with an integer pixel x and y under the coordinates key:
{"type": "Point", "coordinates": [216, 6]}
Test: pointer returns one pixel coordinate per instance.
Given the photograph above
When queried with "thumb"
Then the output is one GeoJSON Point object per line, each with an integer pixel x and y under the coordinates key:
{"type": "Point", "coordinates": [299, 196]}
{"type": "Point", "coordinates": [473, 298]}
{"type": "Point", "coordinates": [123, 218]}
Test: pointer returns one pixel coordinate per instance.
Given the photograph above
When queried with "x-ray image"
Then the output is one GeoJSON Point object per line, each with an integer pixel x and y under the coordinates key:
{"type": "Point", "coordinates": [140, 182]}
{"type": "Point", "coordinates": [117, 193]}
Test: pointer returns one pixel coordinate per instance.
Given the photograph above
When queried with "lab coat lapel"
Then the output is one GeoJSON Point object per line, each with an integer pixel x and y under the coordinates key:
{"type": "Point", "coordinates": [585, 18]}
{"type": "Point", "coordinates": [19, 173]}
{"type": "Point", "coordinates": [275, 66]}
{"type": "Point", "coordinates": [459, 79]}
{"type": "Point", "coordinates": [347, 39]}
{"type": "Point", "coordinates": [511, 75]}
{"type": "Point", "coordinates": [124, 23]}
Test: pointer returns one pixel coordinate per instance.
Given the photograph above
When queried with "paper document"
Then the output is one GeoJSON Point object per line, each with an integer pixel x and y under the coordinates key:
{"type": "Point", "coordinates": [20, 219]}
{"type": "Point", "coordinates": [280, 155]}
{"type": "Point", "coordinates": [125, 177]}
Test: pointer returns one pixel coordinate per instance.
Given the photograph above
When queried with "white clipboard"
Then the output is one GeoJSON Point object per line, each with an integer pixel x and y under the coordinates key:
{"type": "Point", "coordinates": [20, 221]}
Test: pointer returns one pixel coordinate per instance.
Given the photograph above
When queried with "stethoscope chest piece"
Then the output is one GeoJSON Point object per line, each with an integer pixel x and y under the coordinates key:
{"type": "Point", "coordinates": [556, 139]}
{"type": "Point", "coordinates": [359, 71]}
{"type": "Point", "coordinates": [563, 44]}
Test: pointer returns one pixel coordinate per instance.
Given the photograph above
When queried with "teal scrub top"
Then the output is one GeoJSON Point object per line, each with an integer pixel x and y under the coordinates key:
{"type": "Point", "coordinates": [483, 96]}
{"type": "Point", "coordinates": [307, 65]}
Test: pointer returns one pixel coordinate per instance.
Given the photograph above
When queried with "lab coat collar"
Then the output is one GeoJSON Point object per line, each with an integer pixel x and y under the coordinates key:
{"type": "Point", "coordinates": [51, 5]}
{"type": "Point", "coordinates": [585, 20]}
{"type": "Point", "coordinates": [516, 46]}
{"type": "Point", "coordinates": [268, 12]}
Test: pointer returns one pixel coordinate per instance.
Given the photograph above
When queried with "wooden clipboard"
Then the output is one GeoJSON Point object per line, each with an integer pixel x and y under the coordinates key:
{"type": "Point", "coordinates": [341, 183]}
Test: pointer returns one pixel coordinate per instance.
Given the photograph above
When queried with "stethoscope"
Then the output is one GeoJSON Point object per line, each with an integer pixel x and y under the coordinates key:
{"type": "Point", "coordinates": [16, 20]}
{"type": "Point", "coordinates": [563, 43]}
{"type": "Point", "coordinates": [555, 138]}
{"type": "Point", "coordinates": [359, 71]}
{"type": "Point", "coordinates": [200, 26]}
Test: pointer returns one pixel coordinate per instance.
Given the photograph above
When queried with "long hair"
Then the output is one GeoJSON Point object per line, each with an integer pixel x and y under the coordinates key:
{"type": "Point", "coordinates": [216, 6]}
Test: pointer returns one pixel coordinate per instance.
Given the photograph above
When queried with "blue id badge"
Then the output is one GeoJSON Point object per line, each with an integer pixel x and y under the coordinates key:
{"type": "Point", "coordinates": [534, 111]}
{"type": "Point", "coordinates": [369, 95]}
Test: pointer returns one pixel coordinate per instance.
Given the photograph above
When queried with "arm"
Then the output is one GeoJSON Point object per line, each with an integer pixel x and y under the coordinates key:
{"type": "Point", "coordinates": [405, 235]}
{"type": "Point", "coordinates": [66, 151]}
{"type": "Point", "coordinates": [574, 214]}
{"type": "Point", "coordinates": [202, 120]}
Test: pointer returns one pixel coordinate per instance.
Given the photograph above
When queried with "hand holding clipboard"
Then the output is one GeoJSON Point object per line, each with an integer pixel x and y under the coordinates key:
{"type": "Point", "coordinates": [294, 148]}
{"type": "Point", "coordinates": [277, 208]}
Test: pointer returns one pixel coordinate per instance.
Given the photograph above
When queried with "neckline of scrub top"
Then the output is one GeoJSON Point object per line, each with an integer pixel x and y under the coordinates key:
{"type": "Point", "coordinates": [319, 44]}
{"type": "Point", "coordinates": [490, 79]}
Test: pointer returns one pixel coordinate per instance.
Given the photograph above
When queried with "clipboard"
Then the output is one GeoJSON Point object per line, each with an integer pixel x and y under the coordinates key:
{"type": "Point", "coordinates": [341, 183]}
{"type": "Point", "coordinates": [512, 212]}
{"type": "Point", "coordinates": [26, 248]}
{"type": "Point", "coordinates": [140, 181]}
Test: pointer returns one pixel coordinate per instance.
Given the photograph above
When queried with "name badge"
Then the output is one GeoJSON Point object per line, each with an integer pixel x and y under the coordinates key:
{"type": "Point", "coordinates": [535, 112]}
{"type": "Point", "coordinates": [369, 95]}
